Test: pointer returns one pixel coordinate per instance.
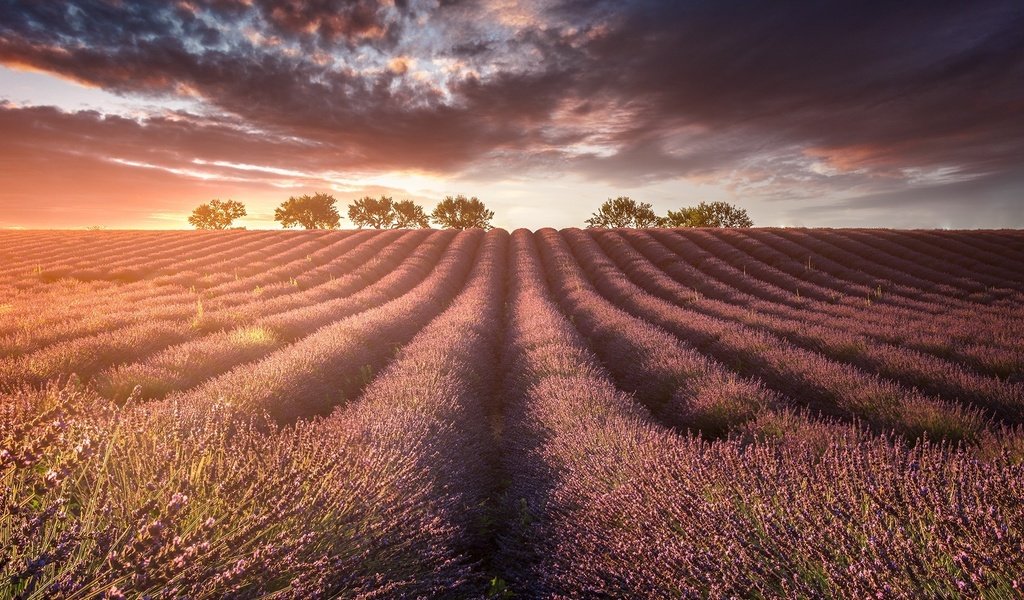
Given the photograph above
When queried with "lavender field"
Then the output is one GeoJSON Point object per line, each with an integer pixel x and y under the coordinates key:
{"type": "Point", "coordinates": [650, 413]}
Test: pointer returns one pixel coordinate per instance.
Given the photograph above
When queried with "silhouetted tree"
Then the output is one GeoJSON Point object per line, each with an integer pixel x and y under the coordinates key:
{"type": "Point", "coordinates": [623, 212]}
{"type": "Point", "coordinates": [385, 213]}
{"type": "Point", "coordinates": [462, 213]}
{"type": "Point", "coordinates": [216, 214]}
{"type": "Point", "coordinates": [409, 215]}
{"type": "Point", "coordinates": [708, 214]}
{"type": "Point", "coordinates": [372, 212]}
{"type": "Point", "coordinates": [312, 212]}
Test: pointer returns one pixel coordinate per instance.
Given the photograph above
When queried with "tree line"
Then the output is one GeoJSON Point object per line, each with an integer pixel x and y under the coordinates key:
{"type": "Point", "coordinates": [319, 211]}
{"type": "Point", "coordinates": [626, 212]}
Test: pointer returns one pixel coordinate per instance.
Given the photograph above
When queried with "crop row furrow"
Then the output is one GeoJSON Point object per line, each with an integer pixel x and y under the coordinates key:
{"type": "Point", "coordinates": [901, 270]}
{"type": "Point", "coordinates": [991, 349]}
{"type": "Point", "coordinates": [287, 266]}
{"type": "Point", "coordinates": [206, 311]}
{"type": "Point", "coordinates": [145, 334]}
{"type": "Point", "coordinates": [772, 266]}
{"type": "Point", "coordinates": [96, 267]}
{"type": "Point", "coordinates": [994, 307]}
{"type": "Point", "coordinates": [363, 263]}
{"type": "Point", "coordinates": [969, 261]}
{"type": "Point", "coordinates": [331, 365]}
{"type": "Point", "coordinates": [171, 259]}
{"type": "Point", "coordinates": [387, 496]}
{"type": "Point", "coordinates": [973, 276]}
{"type": "Point", "coordinates": [680, 386]}
{"type": "Point", "coordinates": [891, 281]}
{"type": "Point", "coordinates": [53, 247]}
{"type": "Point", "coordinates": [255, 270]}
{"type": "Point", "coordinates": [118, 310]}
{"type": "Point", "coordinates": [179, 267]}
{"type": "Point", "coordinates": [603, 503]}
{"type": "Point", "coordinates": [882, 310]}
{"type": "Point", "coordinates": [995, 245]}
{"type": "Point", "coordinates": [889, 289]}
{"type": "Point", "coordinates": [817, 333]}
{"type": "Point", "coordinates": [839, 270]}
{"type": "Point", "coordinates": [705, 270]}
{"type": "Point", "coordinates": [132, 288]}
{"type": "Point", "coordinates": [851, 265]}
{"type": "Point", "coordinates": [426, 416]}
{"type": "Point", "coordinates": [804, 281]}
{"type": "Point", "coordinates": [543, 415]}
{"type": "Point", "coordinates": [564, 421]}
{"type": "Point", "coordinates": [231, 333]}
{"type": "Point", "coordinates": [206, 272]}
{"type": "Point", "coordinates": [178, 367]}
{"type": "Point", "coordinates": [824, 385]}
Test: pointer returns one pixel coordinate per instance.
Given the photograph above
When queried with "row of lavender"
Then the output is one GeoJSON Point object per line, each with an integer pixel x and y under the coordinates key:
{"type": "Point", "coordinates": [847, 293]}
{"type": "Point", "coordinates": [614, 505]}
{"type": "Point", "coordinates": [221, 263]}
{"type": "Point", "coordinates": [809, 362]}
{"type": "Point", "coordinates": [48, 336]}
{"type": "Point", "coordinates": [382, 498]}
{"type": "Point", "coordinates": [219, 258]}
{"type": "Point", "coordinates": [157, 335]}
{"type": "Point", "coordinates": [256, 270]}
{"type": "Point", "coordinates": [434, 483]}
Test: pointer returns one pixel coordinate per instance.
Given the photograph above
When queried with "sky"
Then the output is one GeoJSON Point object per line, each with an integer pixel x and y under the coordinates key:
{"type": "Point", "coordinates": [128, 114]}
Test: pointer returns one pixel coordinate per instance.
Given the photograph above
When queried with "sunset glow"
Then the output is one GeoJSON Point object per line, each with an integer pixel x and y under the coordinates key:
{"type": "Point", "coordinates": [128, 115]}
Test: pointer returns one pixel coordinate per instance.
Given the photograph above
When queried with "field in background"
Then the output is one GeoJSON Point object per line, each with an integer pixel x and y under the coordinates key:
{"type": "Point", "coordinates": [646, 413]}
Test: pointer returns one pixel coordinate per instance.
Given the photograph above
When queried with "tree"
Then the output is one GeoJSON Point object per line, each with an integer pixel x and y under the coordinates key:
{"type": "Point", "coordinates": [216, 214]}
{"type": "Point", "coordinates": [623, 212]}
{"type": "Point", "coordinates": [371, 212]}
{"type": "Point", "coordinates": [462, 213]}
{"type": "Point", "coordinates": [312, 212]}
{"type": "Point", "coordinates": [409, 215]}
{"type": "Point", "coordinates": [708, 214]}
{"type": "Point", "coordinates": [385, 213]}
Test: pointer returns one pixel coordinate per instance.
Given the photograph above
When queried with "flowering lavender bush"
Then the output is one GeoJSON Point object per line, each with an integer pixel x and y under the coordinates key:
{"type": "Point", "coordinates": [646, 413]}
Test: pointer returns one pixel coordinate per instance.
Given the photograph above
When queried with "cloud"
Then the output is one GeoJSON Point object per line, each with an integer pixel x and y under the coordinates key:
{"type": "Point", "coordinates": [62, 169]}
{"type": "Point", "coordinates": [906, 84]}
{"type": "Point", "coordinates": [994, 201]}
{"type": "Point", "coordinates": [834, 99]}
{"type": "Point", "coordinates": [347, 105]}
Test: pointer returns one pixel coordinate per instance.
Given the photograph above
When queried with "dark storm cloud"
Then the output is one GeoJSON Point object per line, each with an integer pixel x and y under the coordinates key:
{"type": "Point", "coordinates": [900, 84]}
{"type": "Point", "coordinates": [328, 20]}
{"type": "Point", "coordinates": [628, 92]}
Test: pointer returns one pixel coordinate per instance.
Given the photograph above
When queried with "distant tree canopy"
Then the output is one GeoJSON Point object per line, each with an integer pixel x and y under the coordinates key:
{"type": "Point", "coordinates": [623, 212]}
{"type": "Point", "coordinates": [216, 214]}
{"type": "Point", "coordinates": [385, 213]}
{"type": "Point", "coordinates": [462, 213]}
{"type": "Point", "coordinates": [312, 212]}
{"type": "Point", "coordinates": [409, 215]}
{"type": "Point", "coordinates": [708, 214]}
{"type": "Point", "coordinates": [372, 212]}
